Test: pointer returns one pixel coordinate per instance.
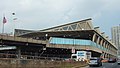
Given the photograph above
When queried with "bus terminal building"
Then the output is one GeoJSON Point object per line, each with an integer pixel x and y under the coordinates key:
{"type": "Point", "coordinates": [64, 40]}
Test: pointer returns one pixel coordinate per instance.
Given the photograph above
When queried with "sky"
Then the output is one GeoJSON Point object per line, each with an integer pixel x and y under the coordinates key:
{"type": "Point", "coordinates": [41, 14]}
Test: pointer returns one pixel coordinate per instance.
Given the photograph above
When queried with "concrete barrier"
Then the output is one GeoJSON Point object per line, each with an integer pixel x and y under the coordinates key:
{"type": "Point", "coordinates": [15, 63]}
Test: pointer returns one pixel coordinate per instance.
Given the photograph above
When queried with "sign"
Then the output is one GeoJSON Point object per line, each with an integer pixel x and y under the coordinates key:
{"type": "Point", "coordinates": [81, 54]}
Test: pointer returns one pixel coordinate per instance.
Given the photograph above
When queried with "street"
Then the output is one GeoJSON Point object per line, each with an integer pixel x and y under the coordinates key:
{"type": "Point", "coordinates": [106, 65]}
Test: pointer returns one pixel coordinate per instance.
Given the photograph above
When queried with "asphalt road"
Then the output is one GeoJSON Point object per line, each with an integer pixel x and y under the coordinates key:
{"type": "Point", "coordinates": [106, 65]}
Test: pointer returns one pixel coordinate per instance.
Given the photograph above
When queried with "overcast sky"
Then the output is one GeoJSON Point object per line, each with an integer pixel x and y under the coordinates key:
{"type": "Point", "coordinates": [41, 14]}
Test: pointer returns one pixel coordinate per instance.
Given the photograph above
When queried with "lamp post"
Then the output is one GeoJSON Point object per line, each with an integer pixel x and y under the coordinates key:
{"type": "Point", "coordinates": [44, 48]}
{"type": "Point", "coordinates": [46, 36]}
{"type": "Point", "coordinates": [73, 47]}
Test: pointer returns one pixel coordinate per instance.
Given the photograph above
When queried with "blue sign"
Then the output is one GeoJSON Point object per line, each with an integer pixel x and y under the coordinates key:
{"type": "Point", "coordinates": [80, 53]}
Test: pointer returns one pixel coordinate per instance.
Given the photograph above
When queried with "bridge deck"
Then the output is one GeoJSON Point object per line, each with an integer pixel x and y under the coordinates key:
{"type": "Point", "coordinates": [19, 39]}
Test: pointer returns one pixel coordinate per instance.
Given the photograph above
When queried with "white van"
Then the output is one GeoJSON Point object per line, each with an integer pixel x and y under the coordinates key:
{"type": "Point", "coordinates": [95, 61]}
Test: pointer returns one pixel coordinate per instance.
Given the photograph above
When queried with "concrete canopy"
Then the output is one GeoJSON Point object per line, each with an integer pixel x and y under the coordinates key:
{"type": "Point", "coordinates": [81, 34]}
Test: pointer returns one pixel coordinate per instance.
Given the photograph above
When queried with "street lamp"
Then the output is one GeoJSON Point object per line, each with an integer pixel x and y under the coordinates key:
{"type": "Point", "coordinates": [46, 35]}
{"type": "Point", "coordinates": [73, 47]}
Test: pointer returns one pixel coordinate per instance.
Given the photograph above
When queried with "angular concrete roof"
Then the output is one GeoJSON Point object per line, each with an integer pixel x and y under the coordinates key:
{"type": "Point", "coordinates": [79, 25]}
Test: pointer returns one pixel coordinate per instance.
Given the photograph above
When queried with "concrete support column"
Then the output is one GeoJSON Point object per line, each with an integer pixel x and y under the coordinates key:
{"type": "Point", "coordinates": [104, 50]}
{"type": "Point", "coordinates": [110, 50]}
{"type": "Point", "coordinates": [98, 40]}
{"type": "Point", "coordinates": [18, 56]}
{"type": "Point", "coordinates": [106, 56]}
{"type": "Point", "coordinates": [19, 52]}
{"type": "Point", "coordinates": [109, 56]}
{"type": "Point", "coordinates": [104, 44]}
{"type": "Point", "coordinates": [107, 46]}
{"type": "Point", "coordinates": [101, 42]}
{"type": "Point", "coordinates": [93, 38]}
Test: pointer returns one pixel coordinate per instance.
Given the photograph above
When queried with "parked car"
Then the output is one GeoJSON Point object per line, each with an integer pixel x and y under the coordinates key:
{"type": "Point", "coordinates": [118, 61]}
{"type": "Point", "coordinates": [112, 60]}
{"type": "Point", "coordinates": [105, 60]}
{"type": "Point", "coordinates": [95, 61]}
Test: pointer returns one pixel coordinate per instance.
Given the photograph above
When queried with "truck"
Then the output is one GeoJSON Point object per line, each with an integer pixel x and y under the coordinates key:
{"type": "Point", "coordinates": [81, 56]}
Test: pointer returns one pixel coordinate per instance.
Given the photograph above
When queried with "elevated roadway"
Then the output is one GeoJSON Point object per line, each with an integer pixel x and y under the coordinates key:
{"type": "Point", "coordinates": [16, 41]}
